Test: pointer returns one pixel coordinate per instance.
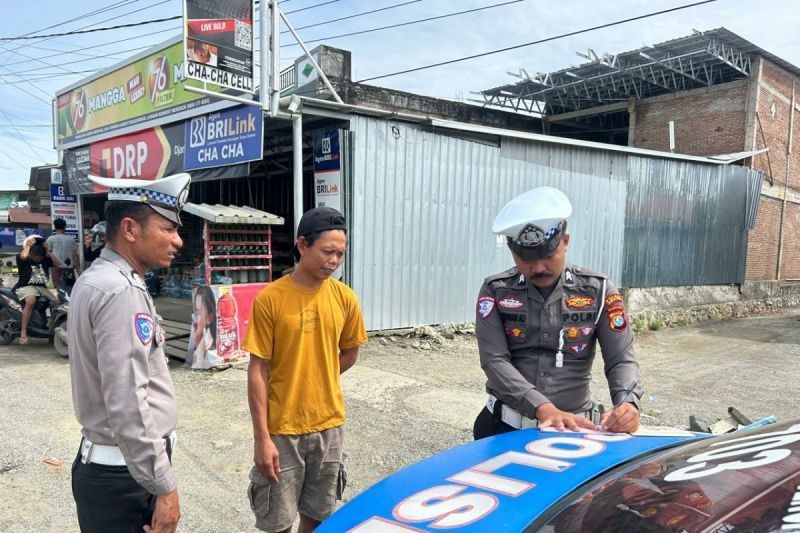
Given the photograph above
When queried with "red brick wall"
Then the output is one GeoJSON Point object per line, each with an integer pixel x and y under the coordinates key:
{"type": "Point", "coordinates": [707, 121]}
{"type": "Point", "coordinates": [790, 262]}
{"type": "Point", "coordinates": [762, 248]}
{"type": "Point", "coordinates": [772, 131]}
{"type": "Point", "coordinates": [713, 121]}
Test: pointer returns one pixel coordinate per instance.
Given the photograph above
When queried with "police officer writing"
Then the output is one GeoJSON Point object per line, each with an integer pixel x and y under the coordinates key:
{"type": "Point", "coordinates": [124, 399]}
{"type": "Point", "coordinates": [538, 324]}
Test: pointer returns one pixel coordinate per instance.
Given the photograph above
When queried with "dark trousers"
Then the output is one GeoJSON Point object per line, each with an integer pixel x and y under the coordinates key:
{"type": "Point", "coordinates": [109, 500]}
{"type": "Point", "coordinates": [487, 424]}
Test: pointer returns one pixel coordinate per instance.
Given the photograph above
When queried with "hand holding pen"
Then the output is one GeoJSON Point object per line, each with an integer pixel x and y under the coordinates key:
{"type": "Point", "coordinates": [624, 418]}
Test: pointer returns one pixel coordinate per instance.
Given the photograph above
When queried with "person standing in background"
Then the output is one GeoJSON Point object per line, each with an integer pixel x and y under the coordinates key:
{"type": "Point", "coordinates": [65, 248]}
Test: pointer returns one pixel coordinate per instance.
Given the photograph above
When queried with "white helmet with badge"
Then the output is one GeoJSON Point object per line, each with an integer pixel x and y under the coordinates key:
{"type": "Point", "coordinates": [534, 222]}
{"type": "Point", "coordinates": [166, 196]}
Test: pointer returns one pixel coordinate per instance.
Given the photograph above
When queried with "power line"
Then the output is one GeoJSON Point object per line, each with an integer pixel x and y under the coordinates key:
{"type": "Point", "coordinates": [90, 25]}
{"type": "Point", "coordinates": [63, 52]}
{"type": "Point", "coordinates": [130, 25]}
{"type": "Point", "coordinates": [506, 49]}
{"type": "Point", "coordinates": [311, 7]}
{"type": "Point", "coordinates": [354, 15]}
{"type": "Point", "coordinates": [322, 23]}
{"type": "Point", "coordinates": [406, 23]}
{"type": "Point", "coordinates": [90, 58]}
{"type": "Point", "coordinates": [21, 137]}
{"type": "Point", "coordinates": [85, 15]}
{"type": "Point", "coordinates": [105, 28]}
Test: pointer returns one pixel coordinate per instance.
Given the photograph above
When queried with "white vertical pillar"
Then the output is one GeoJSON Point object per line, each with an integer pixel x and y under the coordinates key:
{"type": "Point", "coordinates": [297, 164]}
{"type": "Point", "coordinates": [264, 56]}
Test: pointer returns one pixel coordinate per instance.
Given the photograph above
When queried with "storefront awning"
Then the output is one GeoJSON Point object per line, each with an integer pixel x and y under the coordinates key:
{"type": "Point", "coordinates": [229, 214]}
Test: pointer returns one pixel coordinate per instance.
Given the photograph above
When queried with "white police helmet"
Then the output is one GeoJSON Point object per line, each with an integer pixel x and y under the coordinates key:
{"type": "Point", "coordinates": [534, 222]}
{"type": "Point", "coordinates": [99, 228]}
{"type": "Point", "coordinates": [166, 196]}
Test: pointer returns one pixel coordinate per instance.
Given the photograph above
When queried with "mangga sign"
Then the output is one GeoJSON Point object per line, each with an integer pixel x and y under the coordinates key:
{"type": "Point", "coordinates": [150, 88]}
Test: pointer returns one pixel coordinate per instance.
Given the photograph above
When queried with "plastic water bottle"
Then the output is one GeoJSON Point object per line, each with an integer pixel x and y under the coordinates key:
{"type": "Point", "coordinates": [227, 325]}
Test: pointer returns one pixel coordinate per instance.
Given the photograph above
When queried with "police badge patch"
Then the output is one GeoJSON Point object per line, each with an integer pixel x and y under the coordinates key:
{"type": "Point", "coordinates": [577, 348]}
{"type": "Point", "coordinates": [510, 303]}
{"type": "Point", "coordinates": [143, 323]}
{"type": "Point", "coordinates": [485, 306]}
{"type": "Point", "coordinates": [617, 322]}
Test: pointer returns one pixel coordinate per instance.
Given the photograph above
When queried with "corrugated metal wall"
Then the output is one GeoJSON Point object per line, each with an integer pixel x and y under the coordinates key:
{"type": "Point", "coordinates": [423, 205]}
{"type": "Point", "coordinates": [686, 223]}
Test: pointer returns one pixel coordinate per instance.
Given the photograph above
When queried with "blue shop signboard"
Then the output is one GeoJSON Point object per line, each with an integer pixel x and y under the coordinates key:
{"type": "Point", "coordinates": [224, 138]}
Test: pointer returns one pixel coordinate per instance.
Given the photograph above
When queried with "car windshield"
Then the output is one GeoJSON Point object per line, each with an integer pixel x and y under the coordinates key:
{"type": "Point", "coordinates": [740, 483]}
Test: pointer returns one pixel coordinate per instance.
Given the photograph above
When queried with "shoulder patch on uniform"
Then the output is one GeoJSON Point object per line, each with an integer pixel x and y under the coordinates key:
{"type": "Point", "coordinates": [143, 323]}
{"type": "Point", "coordinates": [485, 306]}
{"type": "Point", "coordinates": [617, 321]}
{"type": "Point", "coordinates": [613, 298]}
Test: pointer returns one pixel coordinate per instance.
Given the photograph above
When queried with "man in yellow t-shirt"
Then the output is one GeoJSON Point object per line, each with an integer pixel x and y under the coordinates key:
{"type": "Point", "coordinates": [304, 331]}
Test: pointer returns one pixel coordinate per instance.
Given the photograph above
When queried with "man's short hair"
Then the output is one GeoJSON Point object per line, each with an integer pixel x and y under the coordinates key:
{"type": "Point", "coordinates": [60, 223]}
{"type": "Point", "coordinates": [117, 210]}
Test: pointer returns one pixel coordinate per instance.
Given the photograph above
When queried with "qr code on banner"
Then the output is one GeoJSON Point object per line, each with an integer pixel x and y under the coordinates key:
{"type": "Point", "coordinates": [243, 35]}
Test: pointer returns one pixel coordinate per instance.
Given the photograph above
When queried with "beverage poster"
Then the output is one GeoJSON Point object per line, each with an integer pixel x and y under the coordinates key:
{"type": "Point", "coordinates": [220, 314]}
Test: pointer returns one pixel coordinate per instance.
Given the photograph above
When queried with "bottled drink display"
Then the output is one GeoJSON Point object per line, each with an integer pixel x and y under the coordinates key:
{"type": "Point", "coordinates": [238, 253]}
{"type": "Point", "coordinates": [227, 325]}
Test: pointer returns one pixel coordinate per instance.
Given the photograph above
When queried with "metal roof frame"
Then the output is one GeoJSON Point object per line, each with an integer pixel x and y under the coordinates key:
{"type": "Point", "coordinates": [699, 60]}
{"type": "Point", "coordinates": [314, 106]}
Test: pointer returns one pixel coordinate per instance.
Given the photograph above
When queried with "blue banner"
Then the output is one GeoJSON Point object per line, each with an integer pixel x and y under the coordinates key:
{"type": "Point", "coordinates": [225, 138]}
{"type": "Point", "coordinates": [499, 483]}
{"type": "Point", "coordinates": [326, 150]}
{"type": "Point", "coordinates": [58, 193]}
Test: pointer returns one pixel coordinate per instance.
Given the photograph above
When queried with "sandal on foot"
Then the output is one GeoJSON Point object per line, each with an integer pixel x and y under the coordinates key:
{"type": "Point", "coordinates": [23, 341]}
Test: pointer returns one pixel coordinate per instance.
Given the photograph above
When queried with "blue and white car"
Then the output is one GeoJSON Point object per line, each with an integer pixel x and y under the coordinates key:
{"type": "Point", "coordinates": [532, 480]}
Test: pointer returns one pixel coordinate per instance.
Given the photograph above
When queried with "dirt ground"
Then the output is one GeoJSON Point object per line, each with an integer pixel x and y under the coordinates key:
{"type": "Point", "coordinates": [407, 399]}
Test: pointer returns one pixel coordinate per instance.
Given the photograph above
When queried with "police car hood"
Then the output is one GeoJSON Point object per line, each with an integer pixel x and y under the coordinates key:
{"type": "Point", "coordinates": [500, 483]}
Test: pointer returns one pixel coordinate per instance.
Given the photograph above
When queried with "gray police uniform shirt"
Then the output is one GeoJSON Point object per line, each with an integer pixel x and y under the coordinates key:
{"type": "Point", "coordinates": [121, 387]}
{"type": "Point", "coordinates": [518, 336]}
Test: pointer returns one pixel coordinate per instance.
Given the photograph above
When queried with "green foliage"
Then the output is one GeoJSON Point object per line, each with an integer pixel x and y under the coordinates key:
{"type": "Point", "coordinates": [657, 323]}
{"type": "Point", "coordinates": [639, 325]}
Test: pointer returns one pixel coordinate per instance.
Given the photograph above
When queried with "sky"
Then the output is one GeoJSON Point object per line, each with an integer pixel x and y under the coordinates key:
{"type": "Point", "coordinates": [32, 71]}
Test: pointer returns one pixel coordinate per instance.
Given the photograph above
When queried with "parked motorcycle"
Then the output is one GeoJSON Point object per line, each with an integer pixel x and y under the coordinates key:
{"type": "Point", "coordinates": [46, 319]}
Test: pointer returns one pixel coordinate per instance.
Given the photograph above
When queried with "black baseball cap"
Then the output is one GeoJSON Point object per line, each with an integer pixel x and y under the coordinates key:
{"type": "Point", "coordinates": [318, 220]}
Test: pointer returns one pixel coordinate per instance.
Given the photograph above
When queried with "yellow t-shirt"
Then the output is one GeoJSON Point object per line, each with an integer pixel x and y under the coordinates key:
{"type": "Point", "coordinates": [301, 333]}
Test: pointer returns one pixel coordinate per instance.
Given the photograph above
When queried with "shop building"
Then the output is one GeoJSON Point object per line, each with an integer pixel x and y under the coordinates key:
{"type": "Point", "coordinates": [420, 181]}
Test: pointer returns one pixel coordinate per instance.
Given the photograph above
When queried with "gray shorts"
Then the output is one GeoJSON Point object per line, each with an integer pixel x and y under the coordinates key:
{"type": "Point", "coordinates": [37, 291]}
{"type": "Point", "coordinates": [311, 480]}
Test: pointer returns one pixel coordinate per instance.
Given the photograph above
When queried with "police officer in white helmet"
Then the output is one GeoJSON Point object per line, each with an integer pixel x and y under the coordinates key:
{"type": "Point", "coordinates": [538, 325]}
{"type": "Point", "coordinates": [122, 478]}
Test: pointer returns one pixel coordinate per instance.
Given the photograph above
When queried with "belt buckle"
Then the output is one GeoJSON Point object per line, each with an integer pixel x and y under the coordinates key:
{"type": "Point", "coordinates": [526, 423]}
{"type": "Point", "coordinates": [87, 457]}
